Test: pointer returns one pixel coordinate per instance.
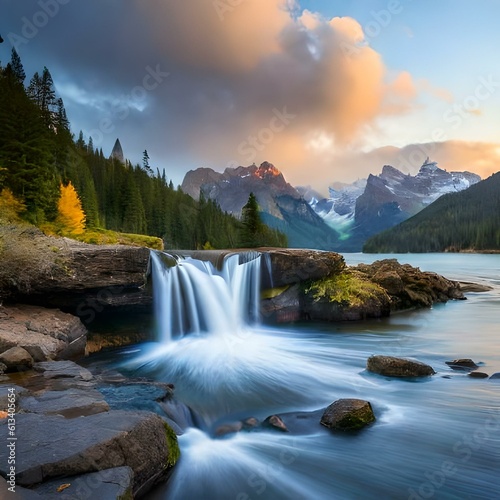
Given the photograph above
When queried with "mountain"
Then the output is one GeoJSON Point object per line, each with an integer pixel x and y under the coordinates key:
{"type": "Point", "coordinates": [282, 206]}
{"type": "Point", "coordinates": [468, 220]}
{"type": "Point", "coordinates": [366, 207]}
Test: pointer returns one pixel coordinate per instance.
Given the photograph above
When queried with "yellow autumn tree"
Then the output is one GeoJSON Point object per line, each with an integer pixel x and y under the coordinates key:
{"type": "Point", "coordinates": [10, 207]}
{"type": "Point", "coordinates": [71, 217]}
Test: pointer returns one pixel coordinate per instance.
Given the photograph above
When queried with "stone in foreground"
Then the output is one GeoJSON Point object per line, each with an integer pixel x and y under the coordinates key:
{"type": "Point", "coordinates": [16, 359]}
{"type": "Point", "coordinates": [391, 366]}
{"type": "Point", "coordinates": [348, 415]}
{"type": "Point", "coordinates": [53, 446]}
{"type": "Point", "coordinates": [107, 484]}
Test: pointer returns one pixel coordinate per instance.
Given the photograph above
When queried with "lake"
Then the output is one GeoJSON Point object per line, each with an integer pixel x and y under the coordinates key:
{"type": "Point", "coordinates": [436, 437]}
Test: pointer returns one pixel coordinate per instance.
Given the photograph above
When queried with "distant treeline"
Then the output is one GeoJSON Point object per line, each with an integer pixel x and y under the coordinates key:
{"type": "Point", "coordinates": [38, 154]}
{"type": "Point", "coordinates": [468, 220]}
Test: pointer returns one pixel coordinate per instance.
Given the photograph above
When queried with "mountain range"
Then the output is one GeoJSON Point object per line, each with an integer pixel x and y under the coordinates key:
{"type": "Point", "coordinates": [464, 221]}
{"type": "Point", "coordinates": [345, 219]}
{"type": "Point", "coordinates": [367, 207]}
{"type": "Point", "coordinates": [282, 206]}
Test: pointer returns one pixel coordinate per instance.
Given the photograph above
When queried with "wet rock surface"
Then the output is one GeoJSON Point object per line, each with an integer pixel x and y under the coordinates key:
{"type": "Point", "coordinates": [69, 431]}
{"type": "Point", "coordinates": [348, 415]}
{"type": "Point", "coordinates": [391, 366]}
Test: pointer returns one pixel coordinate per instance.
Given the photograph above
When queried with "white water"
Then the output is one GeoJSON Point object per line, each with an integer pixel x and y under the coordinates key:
{"type": "Point", "coordinates": [227, 370]}
{"type": "Point", "coordinates": [212, 346]}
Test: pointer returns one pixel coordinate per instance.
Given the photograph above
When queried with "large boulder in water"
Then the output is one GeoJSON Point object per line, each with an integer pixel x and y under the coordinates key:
{"type": "Point", "coordinates": [408, 286]}
{"type": "Point", "coordinates": [348, 415]}
{"type": "Point", "coordinates": [391, 366]}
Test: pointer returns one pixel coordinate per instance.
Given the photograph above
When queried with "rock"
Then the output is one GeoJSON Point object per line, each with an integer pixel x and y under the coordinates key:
{"type": "Point", "coordinates": [69, 403]}
{"type": "Point", "coordinates": [45, 333]}
{"type": "Point", "coordinates": [462, 364]}
{"type": "Point", "coordinates": [22, 493]}
{"type": "Point", "coordinates": [16, 359]}
{"type": "Point", "coordinates": [407, 286]}
{"type": "Point", "coordinates": [3, 368]}
{"type": "Point", "coordinates": [78, 276]}
{"type": "Point", "coordinates": [230, 428]}
{"type": "Point", "coordinates": [52, 446]}
{"type": "Point", "coordinates": [106, 484]}
{"type": "Point", "coordinates": [348, 414]}
{"type": "Point", "coordinates": [398, 367]}
{"type": "Point", "coordinates": [275, 422]}
{"type": "Point", "coordinates": [467, 287]}
{"type": "Point", "coordinates": [63, 370]}
{"type": "Point", "coordinates": [495, 376]}
{"type": "Point", "coordinates": [289, 266]}
{"type": "Point", "coordinates": [250, 423]}
{"type": "Point", "coordinates": [478, 375]}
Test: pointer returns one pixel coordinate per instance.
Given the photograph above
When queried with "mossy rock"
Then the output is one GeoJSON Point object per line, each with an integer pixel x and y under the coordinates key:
{"type": "Point", "coordinates": [174, 452]}
{"type": "Point", "coordinates": [348, 415]}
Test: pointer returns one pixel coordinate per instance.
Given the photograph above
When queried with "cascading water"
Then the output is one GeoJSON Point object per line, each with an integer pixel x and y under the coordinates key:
{"type": "Point", "coordinates": [212, 347]}
{"type": "Point", "coordinates": [193, 297]}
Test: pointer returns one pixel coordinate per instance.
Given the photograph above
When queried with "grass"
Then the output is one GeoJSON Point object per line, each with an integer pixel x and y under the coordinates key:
{"type": "Point", "coordinates": [347, 288]}
{"type": "Point", "coordinates": [98, 236]}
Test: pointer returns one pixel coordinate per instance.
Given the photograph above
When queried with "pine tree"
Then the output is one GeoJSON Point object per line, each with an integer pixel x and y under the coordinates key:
{"type": "Point", "coordinates": [251, 223]}
{"type": "Point", "coordinates": [42, 92]}
{"type": "Point", "coordinates": [16, 67]}
{"type": "Point", "coordinates": [71, 217]}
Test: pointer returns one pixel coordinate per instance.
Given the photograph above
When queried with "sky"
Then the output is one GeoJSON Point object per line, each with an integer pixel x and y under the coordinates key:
{"type": "Point", "coordinates": [326, 90]}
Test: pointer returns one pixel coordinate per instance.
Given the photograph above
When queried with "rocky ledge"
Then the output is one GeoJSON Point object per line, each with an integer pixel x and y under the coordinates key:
{"type": "Point", "coordinates": [43, 334]}
{"type": "Point", "coordinates": [73, 276]}
{"type": "Point", "coordinates": [298, 284]}
{"type": "Point", "coordinates": [72, 444]}
{"type": "Point", "coordinates": [328, 290]}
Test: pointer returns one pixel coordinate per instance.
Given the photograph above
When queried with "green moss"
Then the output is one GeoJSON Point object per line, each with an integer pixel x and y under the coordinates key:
{"type": "Point", "coordinates": [107, 237]}
{"type": "Point", "coordinates": [271, 293]}
{"type": "Point", "coordinates": [347, 288]}
{"type": "Point", "coordinates": [127, 495]}
{"type": "Point", "coordinates": [174, 452]}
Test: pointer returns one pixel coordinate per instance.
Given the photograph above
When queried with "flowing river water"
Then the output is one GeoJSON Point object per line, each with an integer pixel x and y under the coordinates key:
{"type": "Point", "coordinates": [436, 437]}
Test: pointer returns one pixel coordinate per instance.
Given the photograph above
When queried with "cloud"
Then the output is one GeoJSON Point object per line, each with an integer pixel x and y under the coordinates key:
{"type": "Point", "coordinates": [234, 68]}
{"type": "Point", "coordinates": [482, 158]}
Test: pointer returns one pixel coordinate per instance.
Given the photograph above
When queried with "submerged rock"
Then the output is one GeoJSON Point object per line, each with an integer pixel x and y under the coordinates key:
{"type": "Point", "coordinates": [230, 428]}
{"type": "Point", "coordinates": [462, 364]}
{"type": "Point", "coordinates": [391, 366]}
{"type": "Point", "coordinates": [348, 414]}
{"type": "Point", "coordinates": [495, 376]}
{"type": "Point", "coordinates": [275, 422]}
{"type": "Point", "coordinates": [478, 375]}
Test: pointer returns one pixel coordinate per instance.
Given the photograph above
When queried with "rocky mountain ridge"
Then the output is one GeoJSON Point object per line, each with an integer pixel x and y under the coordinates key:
{"type": "Point", "coordinates": [366, 207]}
{"type": "Point", "coordinates": [282, 206]}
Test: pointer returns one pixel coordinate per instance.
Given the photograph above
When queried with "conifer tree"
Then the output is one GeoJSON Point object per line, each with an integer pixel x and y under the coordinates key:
{"type": "Point", "coordinates": [16, 67]}
{"type": "Point", "coordinates": [251, 223]}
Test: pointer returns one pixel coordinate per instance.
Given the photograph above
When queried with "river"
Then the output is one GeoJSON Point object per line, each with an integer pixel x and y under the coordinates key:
{"type": "Point", "coordinates": [437, 437]}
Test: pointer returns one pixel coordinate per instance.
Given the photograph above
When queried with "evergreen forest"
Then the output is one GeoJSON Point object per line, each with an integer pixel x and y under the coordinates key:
{"type": "Point", "coordinates": [64, 185]}
{"type": "Point", "coordinates": [465, 221]}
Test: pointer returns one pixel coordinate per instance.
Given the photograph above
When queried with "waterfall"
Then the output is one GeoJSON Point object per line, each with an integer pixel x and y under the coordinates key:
{"type": "Point", "coordinates": [193, 297]}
